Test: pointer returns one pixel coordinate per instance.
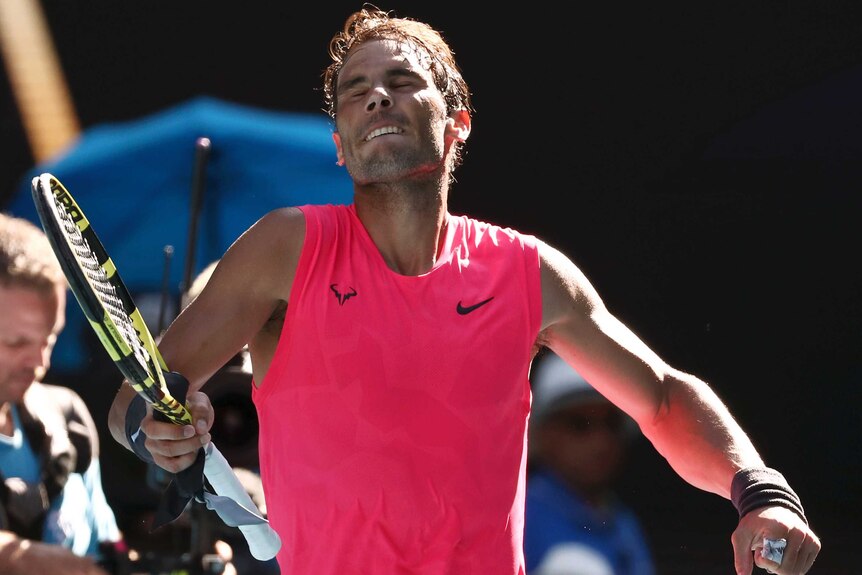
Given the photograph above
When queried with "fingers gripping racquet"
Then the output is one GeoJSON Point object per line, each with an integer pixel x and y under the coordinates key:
{"type": "Point", "coordinates": [115, 318]}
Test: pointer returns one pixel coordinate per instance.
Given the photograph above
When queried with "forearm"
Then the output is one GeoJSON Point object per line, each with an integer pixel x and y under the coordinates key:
{"type": "Point", "coordinates": [698, 436]}
{"type": "Point", "coordinates": [117, 414]}
{"type": "Point", "coordinates": [25, 557]}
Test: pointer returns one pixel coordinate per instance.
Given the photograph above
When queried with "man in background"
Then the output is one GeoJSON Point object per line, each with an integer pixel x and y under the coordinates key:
{"type": "Point", "coordinates": [575, 523]}
{"type": "Point", "coordinates": [54, 518]}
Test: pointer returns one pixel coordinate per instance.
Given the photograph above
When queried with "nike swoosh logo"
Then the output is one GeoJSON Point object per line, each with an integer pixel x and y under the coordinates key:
{"type": "Point", "coordinates": [465, 310]}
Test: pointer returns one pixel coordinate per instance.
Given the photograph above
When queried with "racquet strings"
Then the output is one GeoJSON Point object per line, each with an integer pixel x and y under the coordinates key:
{"type": "Point", "coordinates": [105, 292]}
{"type": "Point", "coordinates": [122, 331]}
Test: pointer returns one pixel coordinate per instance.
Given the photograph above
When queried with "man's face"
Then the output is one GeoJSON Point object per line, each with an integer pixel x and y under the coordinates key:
{"type": "Point", "coordinates": [30, 321]}
{"type": "Point", "coordinates": [391, 120]}
{"type": "Point", "coordinates": [586, 443]}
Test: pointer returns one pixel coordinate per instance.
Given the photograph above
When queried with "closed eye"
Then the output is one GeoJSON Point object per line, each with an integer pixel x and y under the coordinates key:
{"type": "Point", "coordinates": [404, 78]}
{"type": "Point", "coordinates": [400, 79]}
{"type": "Point", "coordinates": [354, 89]}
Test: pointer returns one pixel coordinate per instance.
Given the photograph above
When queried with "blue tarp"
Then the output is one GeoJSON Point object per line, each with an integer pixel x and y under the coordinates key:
{"type": "Point", "coordinates": [134, 182]}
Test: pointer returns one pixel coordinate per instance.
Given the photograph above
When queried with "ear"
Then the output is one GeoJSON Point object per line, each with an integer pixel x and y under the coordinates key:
{"type": "Point", "coordinates": [458, 125]}
{"type": "Point", "coordinates": [339, 151]}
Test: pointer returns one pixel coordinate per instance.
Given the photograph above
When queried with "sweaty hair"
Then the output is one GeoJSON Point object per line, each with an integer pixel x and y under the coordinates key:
{"type": "Point", "coordinates": [26, 257]}
{"type": "Point", "coordinates": [371, 23]}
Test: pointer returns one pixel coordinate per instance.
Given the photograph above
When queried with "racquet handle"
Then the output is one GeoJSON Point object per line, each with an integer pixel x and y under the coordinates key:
{"type": "Point", "coordinates": [263, 541]}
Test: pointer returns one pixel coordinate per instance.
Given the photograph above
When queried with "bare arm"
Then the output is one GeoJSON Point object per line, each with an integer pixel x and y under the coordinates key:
{"type": "Point", "coordinates": [680, 414]}
{"type": "Point", "coordinates": [251, 280]}
{"type": "Point", "coordinates": [25, 557]}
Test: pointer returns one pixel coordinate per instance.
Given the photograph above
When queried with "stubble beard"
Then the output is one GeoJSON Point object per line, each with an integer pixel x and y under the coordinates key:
{"type": "Point", "coordinates": [394, 166]}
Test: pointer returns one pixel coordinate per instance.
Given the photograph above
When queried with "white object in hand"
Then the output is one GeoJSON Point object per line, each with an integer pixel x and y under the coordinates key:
{"type": "Point", "coordinates": [773, 549]}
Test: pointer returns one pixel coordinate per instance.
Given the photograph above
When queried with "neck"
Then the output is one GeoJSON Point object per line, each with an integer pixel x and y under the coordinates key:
{"type": "Point", "coordinates": [407, 225]}
{"type": "Point", "coordinates": [7, 422]}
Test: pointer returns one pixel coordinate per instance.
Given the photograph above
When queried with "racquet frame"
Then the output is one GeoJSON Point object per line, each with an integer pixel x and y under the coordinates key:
{"type": "Point", "coordinates": [113, 315]}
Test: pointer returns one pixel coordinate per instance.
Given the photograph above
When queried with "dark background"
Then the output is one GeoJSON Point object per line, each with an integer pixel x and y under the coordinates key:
{"type": "Point", "coordinates": [698, 161]}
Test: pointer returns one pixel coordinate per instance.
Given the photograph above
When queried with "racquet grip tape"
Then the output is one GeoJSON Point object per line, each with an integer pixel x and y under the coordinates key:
{"type": "Point", "coordinates": [178, 387]}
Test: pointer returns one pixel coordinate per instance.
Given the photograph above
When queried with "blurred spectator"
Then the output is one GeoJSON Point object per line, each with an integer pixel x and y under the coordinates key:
{"type": "Point", "coordinates": [54, 517]}
{"type": "Point", "coordinates": [575, 524]}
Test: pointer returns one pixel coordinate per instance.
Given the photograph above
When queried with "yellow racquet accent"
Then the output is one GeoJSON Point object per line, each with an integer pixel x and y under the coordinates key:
{"type": "Point", "coordinates": [118, 323]}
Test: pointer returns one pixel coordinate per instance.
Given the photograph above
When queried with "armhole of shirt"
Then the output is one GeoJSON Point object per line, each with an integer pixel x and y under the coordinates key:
{"type": "Point", "coordinates": [310, 244]}
{"type": "Point", "coordinates": [535, 282]}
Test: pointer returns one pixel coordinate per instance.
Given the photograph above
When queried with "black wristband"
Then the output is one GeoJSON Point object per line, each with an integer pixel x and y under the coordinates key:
{"type": "Point", "coordinates": [756, 487]}
{"type": "Point", "coordinates": [135, 413]}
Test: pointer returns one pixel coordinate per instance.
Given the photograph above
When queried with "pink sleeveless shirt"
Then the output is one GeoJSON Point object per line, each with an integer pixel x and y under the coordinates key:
{"type": "Point", "coordinates": [393, 416]}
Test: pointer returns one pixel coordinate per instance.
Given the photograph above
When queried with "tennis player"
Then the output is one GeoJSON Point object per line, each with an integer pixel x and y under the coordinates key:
{"type": "Point", "coordinates": [391, 345]}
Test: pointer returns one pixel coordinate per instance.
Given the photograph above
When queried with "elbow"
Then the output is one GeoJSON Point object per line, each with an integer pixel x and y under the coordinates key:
{"type": "Point", "coordinates": [665, 394]}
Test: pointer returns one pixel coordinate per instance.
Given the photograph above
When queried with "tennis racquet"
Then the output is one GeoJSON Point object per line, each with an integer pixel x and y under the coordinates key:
{"type": "Point", "coordinates": [113, 315]}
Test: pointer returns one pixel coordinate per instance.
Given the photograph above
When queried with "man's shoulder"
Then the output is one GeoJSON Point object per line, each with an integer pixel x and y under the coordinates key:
{"type": "Point", "coordinates": [55, 393]}
{"type": "Point", "coordinates": [479, 230]}
{"type": "Point", "coordinates": [294, 221]}
{"type": "Point", "coordinates": [335, 209]}
{"type": "Point", "coordinates": [45, 400]}
{"type": "Point", "coordinates": [487, 223]}
{"type": "Point", "coordinates": [59, 407]}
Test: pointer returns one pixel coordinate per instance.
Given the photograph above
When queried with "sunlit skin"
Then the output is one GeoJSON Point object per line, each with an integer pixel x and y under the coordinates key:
{"type": "Point", "coordinates": [395, 138]}
{"type": "Point", "coordinates": [392, 122]}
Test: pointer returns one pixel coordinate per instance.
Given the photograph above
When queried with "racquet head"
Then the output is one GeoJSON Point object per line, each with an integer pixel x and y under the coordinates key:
{"type": "Point", "coordinates": [103, 296]}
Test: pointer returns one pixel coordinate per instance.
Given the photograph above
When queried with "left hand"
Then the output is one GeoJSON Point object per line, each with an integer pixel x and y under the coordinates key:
{"type": "Point", "coordinates": [775, 523]}
{"type": "Point", "coordinates": [175, 447]}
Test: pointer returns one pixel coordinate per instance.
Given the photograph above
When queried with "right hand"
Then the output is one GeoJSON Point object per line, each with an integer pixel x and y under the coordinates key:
{"type": "Point", "coordinates": [175, 447]}
{"type": "Point", "coordinates": [35, 558]}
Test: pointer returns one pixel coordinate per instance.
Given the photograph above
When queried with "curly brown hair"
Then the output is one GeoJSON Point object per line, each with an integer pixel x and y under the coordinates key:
{"type": "Point", "coordinates": [372, 23]}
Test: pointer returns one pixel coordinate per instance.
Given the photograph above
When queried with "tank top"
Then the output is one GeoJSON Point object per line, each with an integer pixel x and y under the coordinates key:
{"type": "Point", "coordinates": [393, 416]}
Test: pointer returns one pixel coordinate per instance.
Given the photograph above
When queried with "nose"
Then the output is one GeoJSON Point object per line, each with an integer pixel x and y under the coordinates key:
{"type": "Point", "coordinates": [378, 98]}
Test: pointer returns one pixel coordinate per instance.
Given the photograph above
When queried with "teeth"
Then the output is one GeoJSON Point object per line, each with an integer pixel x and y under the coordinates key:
{"type": "Point", "coordinates": [382, 131]}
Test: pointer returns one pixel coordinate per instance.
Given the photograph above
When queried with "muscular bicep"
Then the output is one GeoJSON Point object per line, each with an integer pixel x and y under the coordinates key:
{"type": "Point", "coordinates": [250, 283]}
{"type": "Point", "coordinates": [578, 326]}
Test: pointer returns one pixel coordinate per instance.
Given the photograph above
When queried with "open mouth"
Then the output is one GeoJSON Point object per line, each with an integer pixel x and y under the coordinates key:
{"type": "Point", "coordinates": [382, 132]}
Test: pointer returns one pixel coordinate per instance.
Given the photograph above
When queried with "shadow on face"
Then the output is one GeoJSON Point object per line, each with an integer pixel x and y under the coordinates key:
{"type": "Point", "coordinates": [585, 444]}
